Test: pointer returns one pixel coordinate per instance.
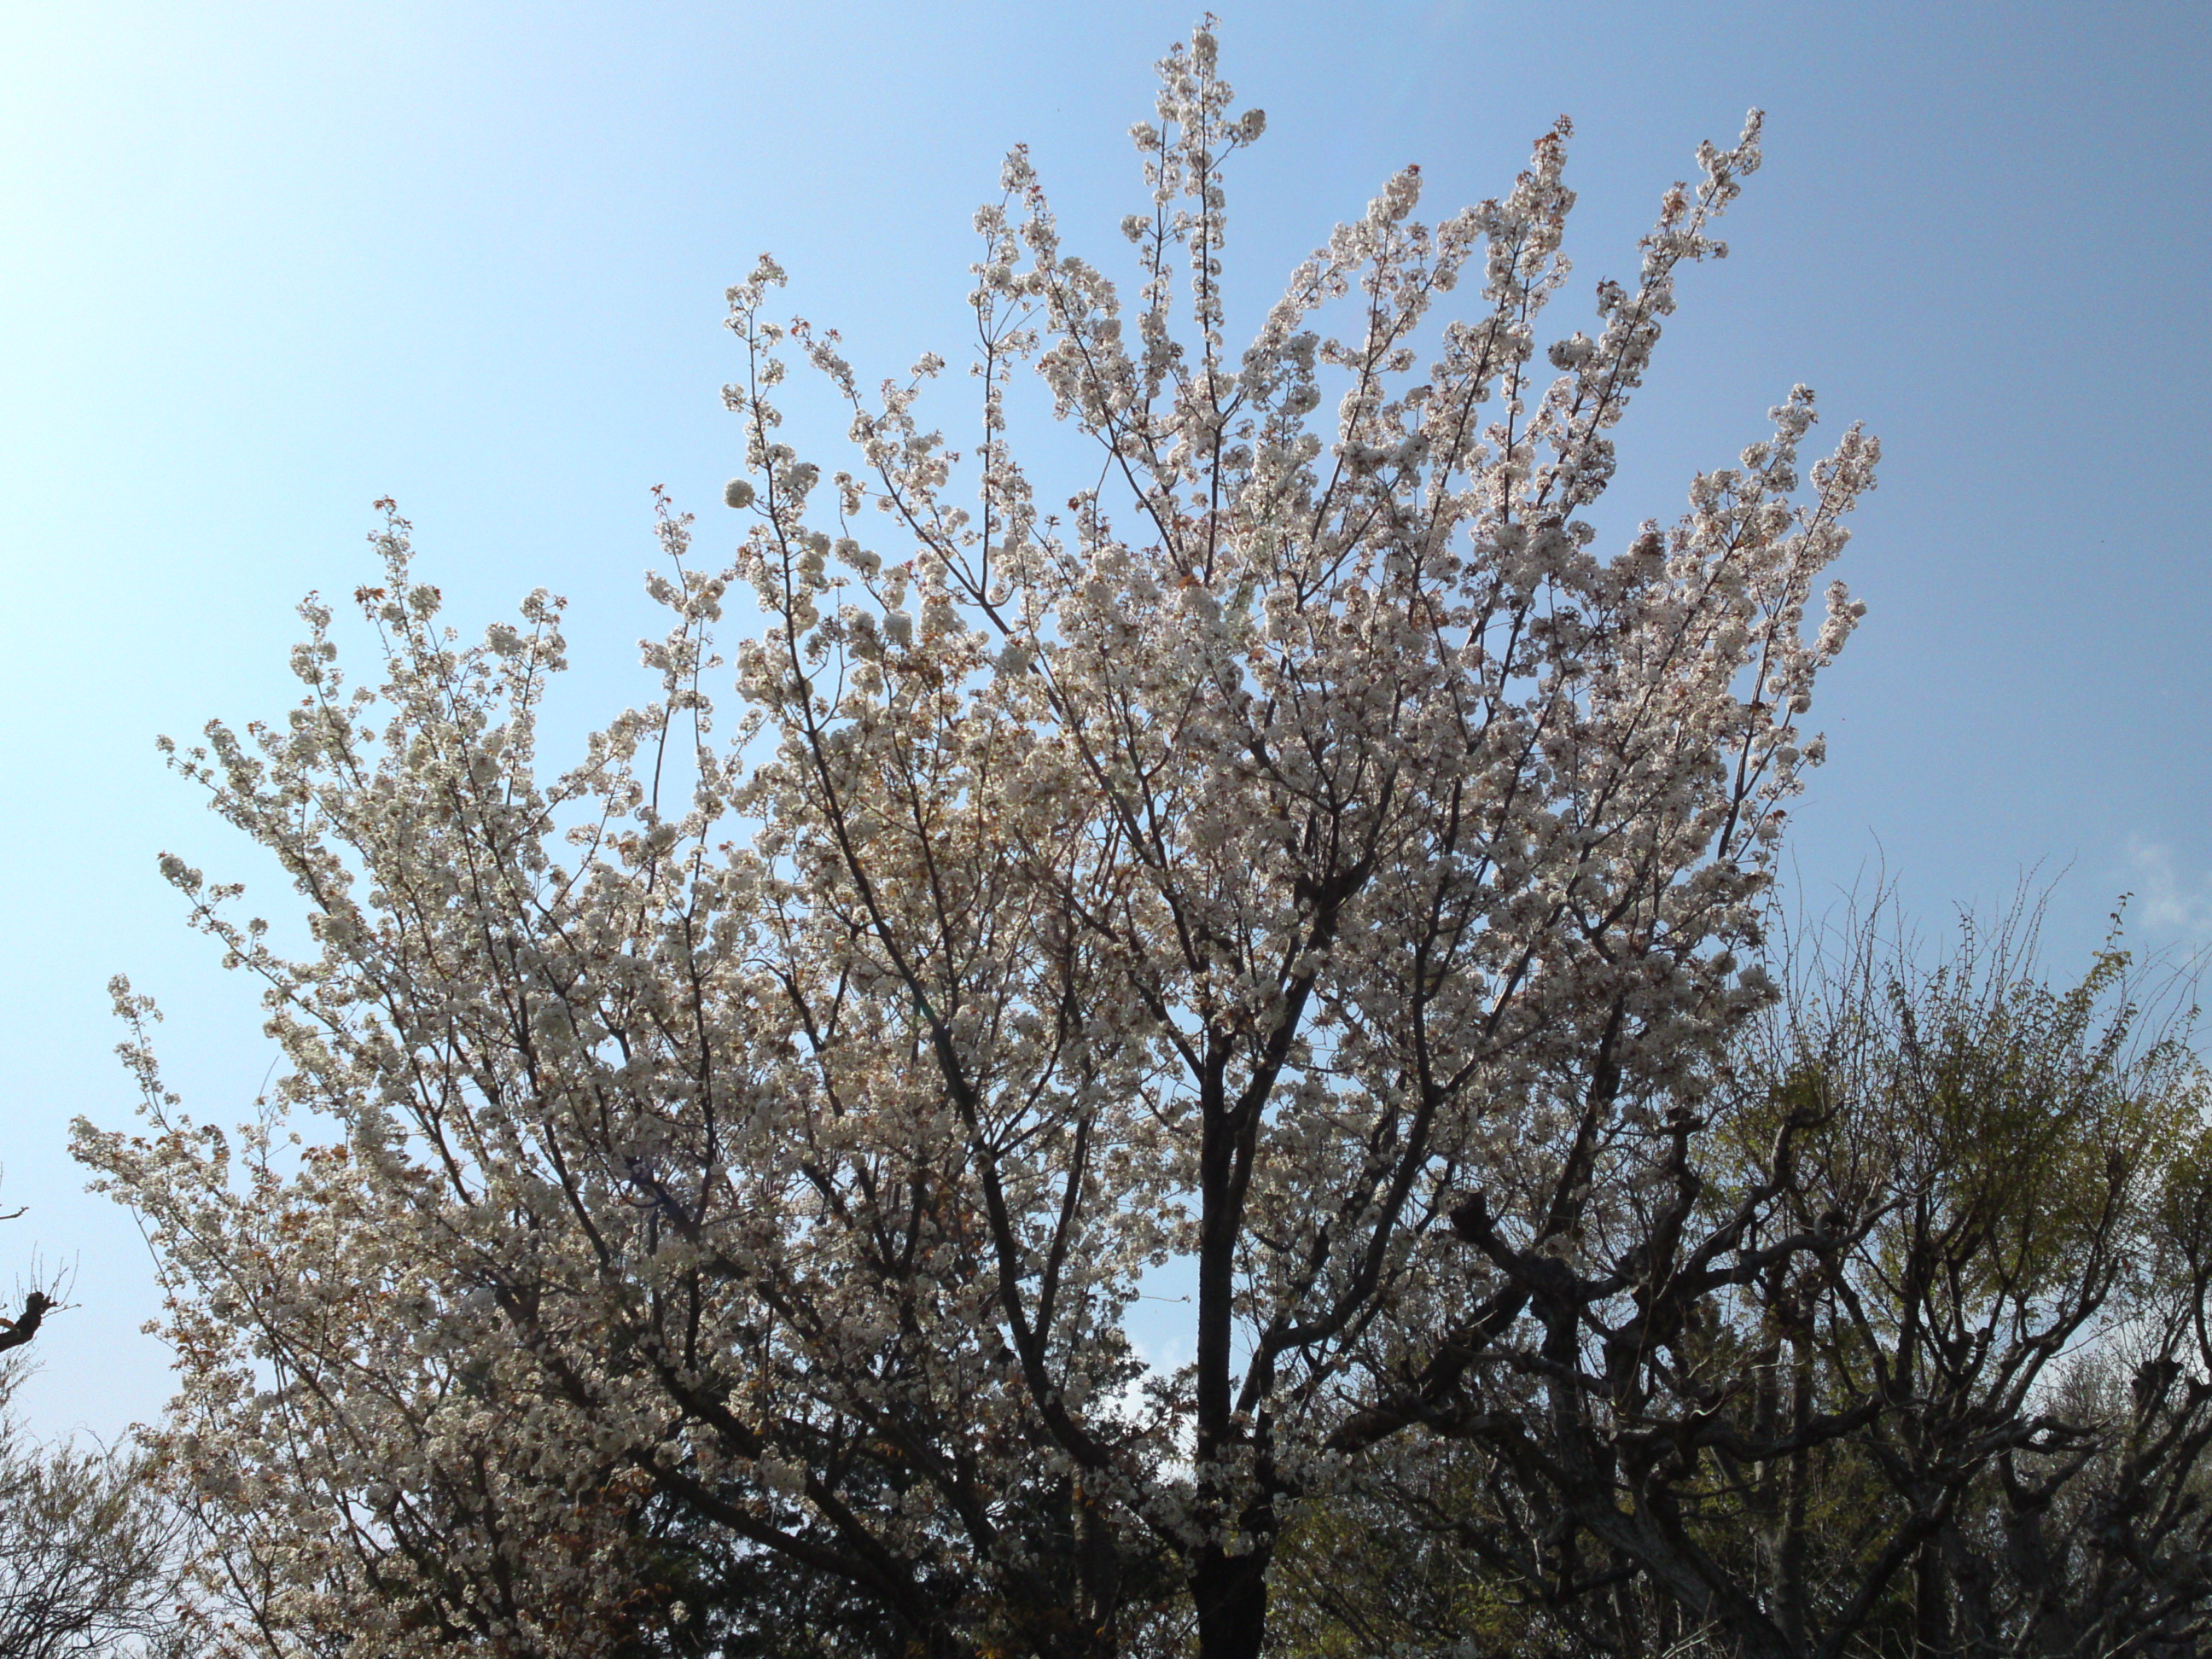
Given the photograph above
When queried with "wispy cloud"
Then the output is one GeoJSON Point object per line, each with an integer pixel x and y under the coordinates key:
{"type": "Point", "coordinates": [2167, 900]}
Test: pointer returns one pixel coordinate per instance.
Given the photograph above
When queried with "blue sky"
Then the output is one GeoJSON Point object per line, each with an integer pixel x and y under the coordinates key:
{"type": "Point", "coordinates": [264, 262]}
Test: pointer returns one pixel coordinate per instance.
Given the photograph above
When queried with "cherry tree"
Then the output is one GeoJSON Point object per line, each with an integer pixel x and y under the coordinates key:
{"type": "Point", "coordinates": [732, 1161]}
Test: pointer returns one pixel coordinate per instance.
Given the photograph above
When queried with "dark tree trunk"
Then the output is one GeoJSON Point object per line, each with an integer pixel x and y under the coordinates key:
{"type": "Point", "coordinates": [1231, 1594]}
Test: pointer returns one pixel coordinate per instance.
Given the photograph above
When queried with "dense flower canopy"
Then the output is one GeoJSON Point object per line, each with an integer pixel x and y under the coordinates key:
{"type": "Point", "coordinates": [747, 1150]}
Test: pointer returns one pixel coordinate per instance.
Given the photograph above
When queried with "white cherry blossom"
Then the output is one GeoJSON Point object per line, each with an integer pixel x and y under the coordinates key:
{"type": "Point", "coordinates": [750, 1143]}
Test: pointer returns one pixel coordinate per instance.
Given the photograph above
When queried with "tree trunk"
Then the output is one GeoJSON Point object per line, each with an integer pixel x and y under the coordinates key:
{"type": "Point", "coordinates": [1931, 1627]}
{"type": "Point", "coordinates": [1231, 1595]}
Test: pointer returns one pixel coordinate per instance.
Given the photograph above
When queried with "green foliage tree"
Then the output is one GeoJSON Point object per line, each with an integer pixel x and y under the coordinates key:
{"type": "Point", "coordinates": [1890, 1341]}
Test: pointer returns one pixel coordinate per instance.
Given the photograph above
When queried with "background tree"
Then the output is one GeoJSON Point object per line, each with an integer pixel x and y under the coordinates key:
{"type": "Point", "coordinates": [751, 1150]}
{"type": "Point", "coordinates": [94, 1559]}
{"type": "Point", "coordinates": [1895, 1345]}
